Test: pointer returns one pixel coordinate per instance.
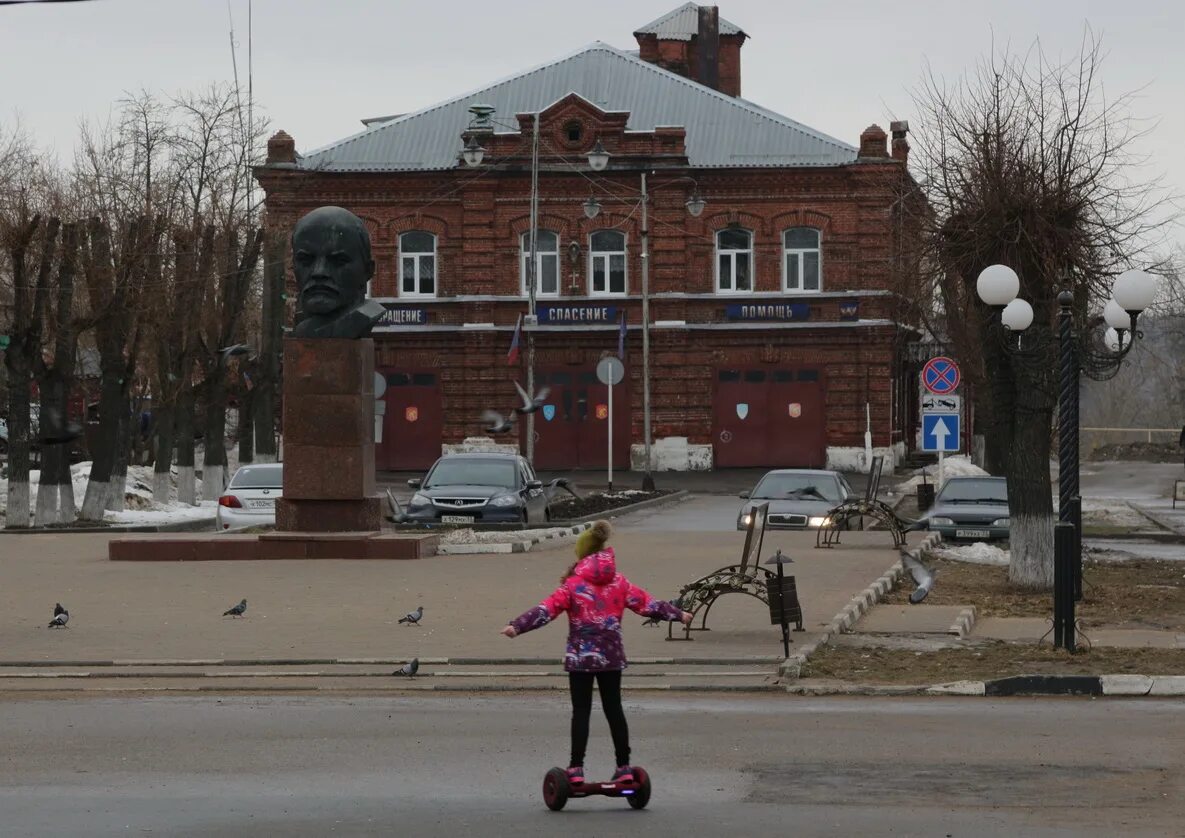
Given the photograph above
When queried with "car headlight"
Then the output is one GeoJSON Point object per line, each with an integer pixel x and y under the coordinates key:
{"type": "Point", "coordinates": [505, 500]}
{"type": "Point", "coordinates": [1000, 522]}
{"type": "Point", "coordinates": [819, 521]}
{"type": "Point", "coordinates": [746, 519]}
{"type": "Point", "coordinates": [420, 499]}
{"type": "Point", "coordinates": [941, 522]}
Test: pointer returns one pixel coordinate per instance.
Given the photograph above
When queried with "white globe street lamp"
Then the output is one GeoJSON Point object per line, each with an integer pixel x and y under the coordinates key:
{"type": "Point", "coordinates": [1116, 317]}
{"type": "Point", "coordinates": [997, 285]}
{"type": "Point", "coordinates": [1135, 290]}
{"type": "Point", "coordinates": [1017, 315]}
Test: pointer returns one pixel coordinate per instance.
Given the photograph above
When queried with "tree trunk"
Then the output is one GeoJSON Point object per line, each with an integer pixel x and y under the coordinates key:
{"type": "Point", "coordinates": [128, 429]}
{"type": "Point", "coordinates": [214, 443]}
{"type": "Point", "coordinates": [109, 439]}
{"type": "Point", "coordinates": [53, 457]}
{"type": "Point", "coordinates": [19, 376]}
{"type": "Point", "coordinates": [267, 386]}
{"type": "Point", "coordinates": [246, 426]}
{"type": "Point", "coordinates": [162, 470]}
{"type": "Point", "coordinates": [186, 479]}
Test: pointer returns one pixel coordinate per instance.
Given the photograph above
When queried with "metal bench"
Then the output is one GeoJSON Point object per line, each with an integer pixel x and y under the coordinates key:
{"type": "Point", "coordinates": [748, 578]}
{"type": "Point", "coordinates": [868, 506]}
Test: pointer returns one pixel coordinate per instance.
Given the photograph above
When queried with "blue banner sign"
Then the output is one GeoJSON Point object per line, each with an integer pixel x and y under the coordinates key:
{"type": "Point", "coordinates": [401, 316]}
{"type": "Point", "coordinates": [849, 310]}
{"type": "Point", "coordinates": [577, 314]}
{"type": "Point", "coordinates": [768, 311]}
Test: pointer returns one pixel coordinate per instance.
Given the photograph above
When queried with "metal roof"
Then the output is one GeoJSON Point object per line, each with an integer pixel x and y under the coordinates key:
{"type": "Point", "coordinates": [722, 131]}
{"type": "Point", "coordinates": [682, 24]}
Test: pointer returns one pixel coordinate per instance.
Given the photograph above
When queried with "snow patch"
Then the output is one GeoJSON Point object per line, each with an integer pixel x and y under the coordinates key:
{"type": "Point", "coordinates": [469, 536]}
{"type": "Point", "coordinates": [978, 553]}
{"type": "Point", "coordinates": [959, 465]}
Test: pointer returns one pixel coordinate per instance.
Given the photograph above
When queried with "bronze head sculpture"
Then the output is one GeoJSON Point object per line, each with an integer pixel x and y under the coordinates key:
{"type": "Point", "coordinates": [332, 262]}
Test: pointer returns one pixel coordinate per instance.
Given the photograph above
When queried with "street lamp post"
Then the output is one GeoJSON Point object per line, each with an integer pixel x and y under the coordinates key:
{"type": "Point", "coordinates": [1134, 291]}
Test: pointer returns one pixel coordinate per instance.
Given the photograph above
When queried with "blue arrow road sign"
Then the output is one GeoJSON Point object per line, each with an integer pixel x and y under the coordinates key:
{"type": "Point", "coordinates": [940, 432]}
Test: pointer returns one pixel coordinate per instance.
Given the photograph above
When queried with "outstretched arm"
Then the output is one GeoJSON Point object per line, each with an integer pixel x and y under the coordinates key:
{"type": "Point", "coordinates": [541, 614]}
{"type": "Point", "coordinates": [641, 602]}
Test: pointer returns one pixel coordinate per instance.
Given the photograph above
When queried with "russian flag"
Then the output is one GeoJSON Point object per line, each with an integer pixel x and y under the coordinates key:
{"type": "Point", "coordinates": [621, 339]}
{"type": "Point", "coordinates": [512, 355]}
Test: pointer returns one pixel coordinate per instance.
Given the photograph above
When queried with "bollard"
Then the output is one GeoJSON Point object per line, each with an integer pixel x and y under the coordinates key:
{"type": "Point", "coordinates": [1063, 586]}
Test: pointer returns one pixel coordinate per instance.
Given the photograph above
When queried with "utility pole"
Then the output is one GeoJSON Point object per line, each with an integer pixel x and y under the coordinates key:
{"type": "Point", "coordinates": [647, 478]}
{"type": "Point", "coordinates": [531, 319]}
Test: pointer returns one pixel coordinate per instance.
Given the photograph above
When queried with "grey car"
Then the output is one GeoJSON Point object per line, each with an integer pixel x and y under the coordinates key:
{"type": "Point", "coordinates": [970, 509]}
{"type": "Point", "coordinates": [798, 498]}
{"type": "Point", "coordinates": [478, 488]}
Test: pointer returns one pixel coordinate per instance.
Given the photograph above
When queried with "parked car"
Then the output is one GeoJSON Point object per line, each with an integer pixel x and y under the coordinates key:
{"type": "Point", "coordinates": [250, 498]}
{"type": "Point", "coordinates": [798, 498]}
{"type": "Point", "coordinates": [970, 509]}
{"type": "Point", "coordinates": [478, 488]}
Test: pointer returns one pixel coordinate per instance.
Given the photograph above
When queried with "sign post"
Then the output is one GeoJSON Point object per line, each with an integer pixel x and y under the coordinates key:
{"type": "Point", "coordinates": [610, 371]}
{"type": "Point", "coordinates": [941, 377]}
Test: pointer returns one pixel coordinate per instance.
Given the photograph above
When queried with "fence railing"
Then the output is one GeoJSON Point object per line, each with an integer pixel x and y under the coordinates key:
{"type": "Point", "coordinates": [1163, 434]}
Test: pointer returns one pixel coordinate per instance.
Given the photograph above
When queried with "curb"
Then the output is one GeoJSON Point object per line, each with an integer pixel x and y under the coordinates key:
{"type": "Point", "coordinates": [427, 661]}
{"type": "Point", "coordinates": [524, 546]}
{"type": "Point", "coordinates": [963, 624]}
{"type": "Point", "coordinates": [674, 497]}
{"type": "Point", "coordinates": [411, 686]}
{"type": "Point", "coordinates": [1020, 685]}
{"type": "Point", "coordinates": [194, 525]}
{"type": "Point", "coordinates": [856, 608]}
{"type": "Point", "coordinates": [1157, 518]}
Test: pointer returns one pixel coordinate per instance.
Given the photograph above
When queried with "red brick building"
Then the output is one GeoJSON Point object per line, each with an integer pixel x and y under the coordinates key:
{"type": "Point", "coordinates": [772, 341]}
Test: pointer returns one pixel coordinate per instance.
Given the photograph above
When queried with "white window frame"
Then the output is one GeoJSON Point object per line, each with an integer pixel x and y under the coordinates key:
{"type": "Point", "coordinates": [524, 261]}
{"type": "Point", "coordinates": [418, 256]}
{"type": "Point", "coordinates": [732, 253]}
{"type": "Point", "coordinates": [606, 257]}
{"type": "Point", "coordinates": [801, 252]}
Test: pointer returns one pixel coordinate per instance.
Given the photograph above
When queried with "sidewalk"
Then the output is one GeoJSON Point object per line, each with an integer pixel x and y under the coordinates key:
{"type": "Point", "coordinates": [349, 609]}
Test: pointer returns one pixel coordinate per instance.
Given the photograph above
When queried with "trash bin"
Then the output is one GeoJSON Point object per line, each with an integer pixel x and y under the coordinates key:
{"type": "Point", "coordinates": [925, 496]}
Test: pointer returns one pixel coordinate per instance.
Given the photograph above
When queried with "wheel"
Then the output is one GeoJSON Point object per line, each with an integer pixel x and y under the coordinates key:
{"type": "Point", "coordinates": [641, 797]}
{"type": "Point", "coordinates": [556, 789]}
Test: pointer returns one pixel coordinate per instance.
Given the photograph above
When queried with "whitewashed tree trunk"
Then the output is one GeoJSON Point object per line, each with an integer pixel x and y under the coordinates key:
{"type": "Point", "coordinates": [94, 502]}
{"type": "Point", "coordinates": [186, 485]}
{"type": "Point", "coordinates": [213, 481]}
{"type": "Point", "coordinates": [1031, 551]}
{"type": "Point", "coordinates": [162, 486]}
{"type": "Point", "coordinates": [47, 504]}
{"type": "Point", "coordinates": [17, 512]}
{"type": "Point", "coordinates": [67, 511]}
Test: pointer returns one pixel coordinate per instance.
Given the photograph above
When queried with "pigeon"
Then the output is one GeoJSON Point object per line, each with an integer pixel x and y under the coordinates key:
{"type": "Point", "coordinates": [654, 621]}
{"type": "Point", "coordinates": [56, 432]}
{"type": "Point", "coordinates": [236, 349]}
{"type": "Point", "coordinates": [531, 403]}
{"type": "Point", "coordinates": [60, 617]}
{"type": "Point", "coordinates": [409, 669]}
{"type": "Point", "coordinates": [922, 575]}
{"type": "Point", "coordinates": [413, 619]}
{"type": "Point", "coordinates": [496, 423]}
{"type": "Point", "coordinates": [552, 488]}
{"type": "Point", "coordinates": [236, 611]}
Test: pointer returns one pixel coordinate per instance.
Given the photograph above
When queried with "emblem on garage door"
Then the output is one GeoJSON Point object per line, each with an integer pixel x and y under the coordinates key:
{"type": "Point", "coordinates": [411, 414]}
{"type": "Point", "coordinates": [742, 410]}
{"type": "Point", "coordinates": [726, 436]}
{"type": "Point", "coordinates": [795, 410]}
{"type": "Point", "coordinates": [602, 411]}
{"type": "Point", "coordinates": [549, 412]}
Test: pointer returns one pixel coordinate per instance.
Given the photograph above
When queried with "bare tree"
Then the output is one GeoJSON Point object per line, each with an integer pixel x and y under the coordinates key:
{"type": "Point", "coordinates": [1026, 163]}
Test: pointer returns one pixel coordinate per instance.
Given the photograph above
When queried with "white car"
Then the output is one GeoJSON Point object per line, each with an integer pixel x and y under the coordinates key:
{"type": "Point", "coordinates": [250, 498]}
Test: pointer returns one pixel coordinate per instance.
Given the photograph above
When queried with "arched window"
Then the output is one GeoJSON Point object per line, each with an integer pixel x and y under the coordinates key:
{"type": "Point", "coordinates": [734, 261]}
{"type": "Point", "coordinates": [607, 262]}
{"type": "Point", "coordinates": [547, 263]}
{"type": "Point", "coordinates": [802, 259]}
{"type": "Point", "coordinates": [417, 264]}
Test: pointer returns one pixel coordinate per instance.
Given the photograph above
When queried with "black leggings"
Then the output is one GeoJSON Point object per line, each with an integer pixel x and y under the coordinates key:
{"type": "Point", "coordinates": [581, 686]}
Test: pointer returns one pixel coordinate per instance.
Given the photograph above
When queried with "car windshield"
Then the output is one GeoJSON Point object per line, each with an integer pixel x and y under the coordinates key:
{"type": "Point", "coordinates": [975, 491]}
{"type": "Point", "coordinates": [258, 477]}
{"type": "Point", "coordinates": [472, 473]}
{"type": "Point", "coordinates": [797, 486]}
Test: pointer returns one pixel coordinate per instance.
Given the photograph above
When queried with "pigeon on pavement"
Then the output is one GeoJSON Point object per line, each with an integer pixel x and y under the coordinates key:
{"type": "Point", "coordinates": [60, 617]}
{"type": "Point", "coordinates": [530, 402]}
{"type": "Point", "coordinates": [236, 611]}
{"type": "Point", "coordinates": [413, 619]}
{"type": "Point", "coordinates": [922, 576]}
{"type": "Point", "coordinates": [409, 669]}
{"type": "Point", "coordinates": [496, 423]}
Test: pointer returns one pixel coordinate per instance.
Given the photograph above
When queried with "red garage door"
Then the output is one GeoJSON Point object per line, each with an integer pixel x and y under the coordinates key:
{"type": "Point", "coordinates": [572, 428]}
{"type": "Point", "coordinates": [413, 426]}
{"type": "Point", "coordinates": [770, 418]}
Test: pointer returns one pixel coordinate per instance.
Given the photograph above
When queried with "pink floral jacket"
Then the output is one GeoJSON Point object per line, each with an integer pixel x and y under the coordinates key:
{"type": "Point", "coordinates": [595, 596]}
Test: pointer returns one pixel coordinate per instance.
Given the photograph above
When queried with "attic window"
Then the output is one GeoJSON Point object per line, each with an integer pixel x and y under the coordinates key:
{"type": "Point", "coordinates": [573, 132]}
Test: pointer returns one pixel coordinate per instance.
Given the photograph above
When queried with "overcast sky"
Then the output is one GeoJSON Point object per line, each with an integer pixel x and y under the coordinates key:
{"type": "Point", "coordinates": [322, 65]}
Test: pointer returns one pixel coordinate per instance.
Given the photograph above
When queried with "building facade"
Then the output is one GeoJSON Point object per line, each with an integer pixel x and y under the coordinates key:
{"type": "Point", "coordinates": [767, 248]}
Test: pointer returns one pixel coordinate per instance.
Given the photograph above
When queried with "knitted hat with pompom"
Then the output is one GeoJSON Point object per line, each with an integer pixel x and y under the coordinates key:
{"type": "Point", "coordinates": [593, 539]}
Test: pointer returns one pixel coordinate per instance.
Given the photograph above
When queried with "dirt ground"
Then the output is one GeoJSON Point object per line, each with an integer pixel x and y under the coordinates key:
{"type": "Point", "coordinates": [985, 659]}
{"type": "Point", "coordinates": [570, 507]}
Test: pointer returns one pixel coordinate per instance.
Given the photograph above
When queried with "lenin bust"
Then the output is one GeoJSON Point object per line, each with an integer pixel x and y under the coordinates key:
{"type": "Point", "coordinates": [332, 262]}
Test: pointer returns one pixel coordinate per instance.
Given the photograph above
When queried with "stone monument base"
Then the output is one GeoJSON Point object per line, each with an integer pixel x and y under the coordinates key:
{"type": "Point", "coordinates": [329, 516]}
{"type": "Point", "coordinates": [276, 546]}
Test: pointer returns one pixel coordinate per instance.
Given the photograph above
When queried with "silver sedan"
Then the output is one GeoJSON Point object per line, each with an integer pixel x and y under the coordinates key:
{"type": "Point", "coordinates": [798, 498]}
{"type": "Point", "coordinates": [250, 498]}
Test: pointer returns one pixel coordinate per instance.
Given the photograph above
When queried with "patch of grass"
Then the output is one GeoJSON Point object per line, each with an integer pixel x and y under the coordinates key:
{"type": "Point", "coordinates": [981, 660]}
{"type": "Point", "coordinates": [1143, 593]}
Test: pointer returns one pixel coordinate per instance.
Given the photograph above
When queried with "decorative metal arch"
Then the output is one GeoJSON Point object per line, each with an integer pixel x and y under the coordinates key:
{"type": "Point", "coordinates": [840, 516]}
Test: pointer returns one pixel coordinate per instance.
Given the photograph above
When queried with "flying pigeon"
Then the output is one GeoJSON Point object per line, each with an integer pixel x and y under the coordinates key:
{"type": "Point", "coordinates": [56, 432]}
{"type": "Point", "coordinates": [654, 621]}
{"type": "Point", "coordinates": [236, 611]}
{"type": "Point", "coordinates": [552, 488]}
{"type": "Point", "coordinates": [413, 619]}
{"type": "Point", "coordinates": [60, 617]}
{"type": "Point", "coordinates": [496, 423]}
{"type": "Point", "coordinates": [236, 349]}
{"type": "Point", "coordinates": [922, 575]}
{"type": "Point", "coordinates": [409, 669]}
{"type": "Point", "coordinates": [531, 403]}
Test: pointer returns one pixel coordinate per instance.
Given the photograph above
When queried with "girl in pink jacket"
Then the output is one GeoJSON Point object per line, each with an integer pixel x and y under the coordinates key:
{"type": "Point", "coordinates": [595, 595]}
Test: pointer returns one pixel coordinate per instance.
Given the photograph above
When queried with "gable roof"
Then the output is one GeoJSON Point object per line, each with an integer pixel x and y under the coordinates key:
{"type": "Point", "coordinates": [682, 24]}
{"type": "Point", "coordinates": [722, 131]}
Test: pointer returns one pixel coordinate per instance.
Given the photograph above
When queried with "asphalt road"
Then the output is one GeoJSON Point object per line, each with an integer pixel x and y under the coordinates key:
{"type": "Point", "coordinates": [301, 766]}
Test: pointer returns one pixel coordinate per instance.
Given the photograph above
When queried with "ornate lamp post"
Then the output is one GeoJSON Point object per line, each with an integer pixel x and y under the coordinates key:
{"type": "Point", "coordinates": [1087, 349]}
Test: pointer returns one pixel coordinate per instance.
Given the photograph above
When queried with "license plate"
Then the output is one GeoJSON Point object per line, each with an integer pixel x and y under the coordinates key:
{"type": "Point", "coordinates": [266, 503]}
{"type": "Point", "coordinates": [456, 519]}
{"type": "Point", "coordinates": [973, 534]}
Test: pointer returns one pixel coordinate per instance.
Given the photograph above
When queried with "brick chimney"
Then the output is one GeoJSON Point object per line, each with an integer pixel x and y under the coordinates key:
{"type": "Point", "coordinates": [872, 142]}
{"type": "Point", "coordinates": [695, 42]}
{"type": "Point", "coordinates": [900, 144]}
{"type": "Point", "coordinates": [281, 148]}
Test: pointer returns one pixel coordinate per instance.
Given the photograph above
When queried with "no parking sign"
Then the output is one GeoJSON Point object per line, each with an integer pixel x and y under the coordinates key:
{"type": "Point", "coordinates": [941, 376]}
